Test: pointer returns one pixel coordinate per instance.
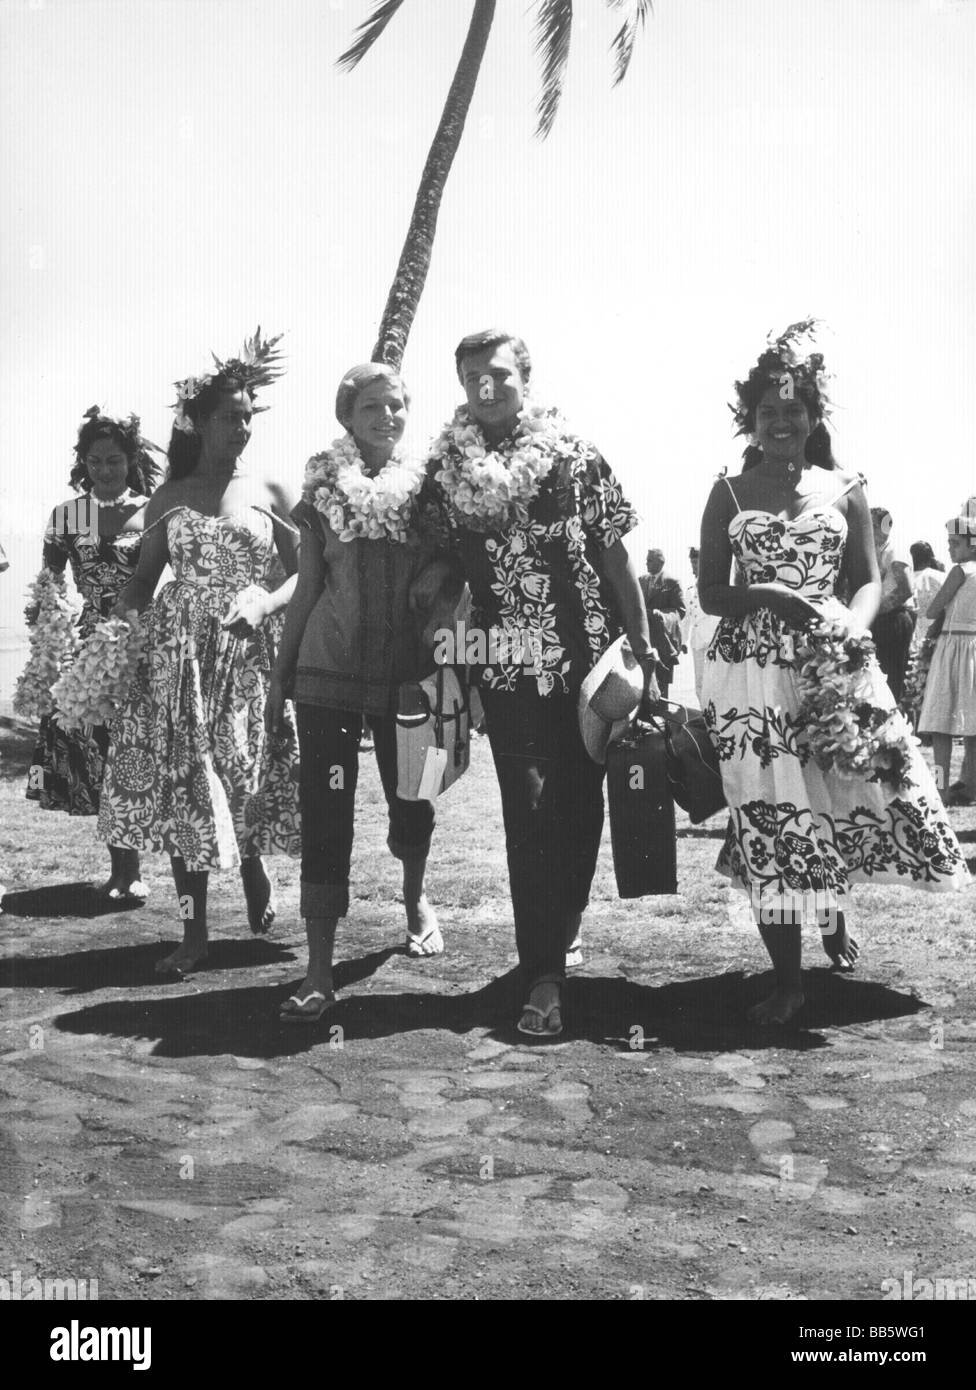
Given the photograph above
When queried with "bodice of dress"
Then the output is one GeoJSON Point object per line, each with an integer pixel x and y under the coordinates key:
{"type": "Point", "coordinates": [803, 554]}
{"type": "Point", "coordinates": [101, 567]}
{"type": "Point", "coordinates": [961, 611]}
{"type": "Point", "coordinates": [222, 554]}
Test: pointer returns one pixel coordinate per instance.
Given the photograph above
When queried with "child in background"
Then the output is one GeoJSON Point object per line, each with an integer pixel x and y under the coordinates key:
{"type": "Point", "coordinates": [949, 707]}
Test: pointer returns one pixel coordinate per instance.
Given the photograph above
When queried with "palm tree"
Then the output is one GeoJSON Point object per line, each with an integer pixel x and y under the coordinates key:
{"type": "Point", "coordinates": [553, 26]}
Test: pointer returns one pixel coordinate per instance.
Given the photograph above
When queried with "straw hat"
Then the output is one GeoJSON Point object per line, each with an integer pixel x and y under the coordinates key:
{"type": "Point", "coordinates": [609, 698]}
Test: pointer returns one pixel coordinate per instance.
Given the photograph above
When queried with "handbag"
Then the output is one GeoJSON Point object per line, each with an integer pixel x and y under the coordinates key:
{"type": "Point", "coordinates": [642, 829]}
{"type": "Point", "coordinates": [433, 733]}
{"type": "Point", "coordinates": [694, 772]}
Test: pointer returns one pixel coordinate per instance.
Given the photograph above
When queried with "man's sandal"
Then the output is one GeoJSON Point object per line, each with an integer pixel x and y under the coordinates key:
{"type": "Point", "coordinates": [545, 1031]}
{"type": "Point", "coordinates": [300, 1013]}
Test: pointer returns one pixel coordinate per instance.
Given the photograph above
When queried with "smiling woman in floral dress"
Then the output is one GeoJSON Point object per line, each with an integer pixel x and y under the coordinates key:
{"type": "Point", "coordinates": [97, 535]}
{"type": "Point", "coordinates": [799, 836]}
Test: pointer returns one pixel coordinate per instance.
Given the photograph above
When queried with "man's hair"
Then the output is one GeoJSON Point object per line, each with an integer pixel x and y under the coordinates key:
{"type": "Point", "coordinates": [491, 338]}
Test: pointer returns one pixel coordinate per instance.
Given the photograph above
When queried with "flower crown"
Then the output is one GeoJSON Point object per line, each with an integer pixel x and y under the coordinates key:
{"type": "Point", "coordinates": [787, 355]}
{"type": "Point", "coordinates": [129, 429]}
{"type": "Point", "coordinates": [257, 366]}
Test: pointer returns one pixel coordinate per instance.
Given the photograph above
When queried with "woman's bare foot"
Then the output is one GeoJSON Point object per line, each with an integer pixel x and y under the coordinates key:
{"type": "Point", "coordinates": [423, 934]}
{"type": "Point", "coordinates": [780, 1007]}
{"type": "Point", "coordinates": [259, 895]}
{"type": "Point", "coordinates": [124, 881]}
{"type": "Point", "coordinates": [841, 947]}
{"type": "Point", "coordinates": [184, 960]}
{"type": "Point", "coordinates": [542, 1015]}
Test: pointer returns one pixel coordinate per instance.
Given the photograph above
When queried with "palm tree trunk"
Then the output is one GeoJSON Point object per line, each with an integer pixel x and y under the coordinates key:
{"type": "Point", "coordinates": [411, 274]}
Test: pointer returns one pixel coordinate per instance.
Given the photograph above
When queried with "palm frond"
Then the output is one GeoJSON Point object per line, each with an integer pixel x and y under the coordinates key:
{"type": "Point", "coordinates": [258, 365]}
{"type": "Point", "coordinates": [623, 41]}
{"type": "Point", "coordinates": [369, 31]}
{"type": "Point", "coordinates": [553, 27]}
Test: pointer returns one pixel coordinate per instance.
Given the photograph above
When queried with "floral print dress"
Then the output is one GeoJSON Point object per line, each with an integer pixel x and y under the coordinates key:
{"type": "Point", "coordinates": [68, 764]}
{"type": "Point", "coordinates": [798, 837]}
{"type": "Point", "coordinates": [191, 770]}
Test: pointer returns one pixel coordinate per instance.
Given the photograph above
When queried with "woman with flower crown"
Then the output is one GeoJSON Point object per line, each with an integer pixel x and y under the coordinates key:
{"type": "Point", "coordinates": [353, 634]}
{"type": "Point", "coordinates": [824, 781]}
{"type": "Point", "coordinates": [536, 520]}
{"type": "Point", "coordinates": [98, 535]}
{"type": "Point", "coordinates": [191, 770]}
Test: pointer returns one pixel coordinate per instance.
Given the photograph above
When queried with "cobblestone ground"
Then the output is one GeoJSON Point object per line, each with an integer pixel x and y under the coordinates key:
{"type": "Point", "coordinates": [175, 1142]}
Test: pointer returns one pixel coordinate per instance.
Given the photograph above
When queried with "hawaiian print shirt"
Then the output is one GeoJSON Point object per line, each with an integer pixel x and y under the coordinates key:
{"type": "Point", "coordinates": [538, 589]}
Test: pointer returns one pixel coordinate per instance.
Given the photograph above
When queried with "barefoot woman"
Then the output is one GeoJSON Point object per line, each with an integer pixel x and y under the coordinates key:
{"type": "Point", "coordinates": [798, 834]}
{"type": "Point", "coordinates": [191, 770]}
{"type": "Point", "coordinates": [98, 535]}
{"type": "Point", "coordinates": [352, 635]}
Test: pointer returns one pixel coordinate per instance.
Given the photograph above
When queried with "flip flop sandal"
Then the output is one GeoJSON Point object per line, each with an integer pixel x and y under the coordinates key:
{"type": "Point", "coordinates": [300, 1014]}
{"type": "Point", "coordinates": [545, 1015]}
{"type": "Point", "coordinates": [414, 943]}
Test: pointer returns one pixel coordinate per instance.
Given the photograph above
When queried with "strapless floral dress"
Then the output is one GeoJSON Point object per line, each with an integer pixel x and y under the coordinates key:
{"type": "Point", "coordinates": [191, 769]}
{"type": "Point", "coordinates": [798, 837]}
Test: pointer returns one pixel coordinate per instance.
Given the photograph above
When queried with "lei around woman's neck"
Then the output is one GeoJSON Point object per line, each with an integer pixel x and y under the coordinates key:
{"type": "Point", "coordinates": [359, 505]}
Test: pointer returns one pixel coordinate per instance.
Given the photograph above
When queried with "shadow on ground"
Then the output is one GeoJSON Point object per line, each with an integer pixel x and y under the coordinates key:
{"type": "Point", "coordinates": [122, 967]}
{"type": "Point", "coordinates": [62, 900]}
{"type": "Point", "coordinates": [698, 1015]}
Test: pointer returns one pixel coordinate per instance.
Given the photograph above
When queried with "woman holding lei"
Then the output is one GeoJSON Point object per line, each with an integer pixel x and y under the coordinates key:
{"type": "Point", "coordinates": [353, 634]}
{"type": "Point", "coordinates": [98, 534]}
{"type": "Point", "coordinates": [191, 770]}
{"type": "Point", "coordinates": [804, 828]}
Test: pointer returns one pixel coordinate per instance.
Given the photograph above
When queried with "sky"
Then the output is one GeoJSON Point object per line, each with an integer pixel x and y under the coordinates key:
{"type": "Point", "coordinates": [176, 172]}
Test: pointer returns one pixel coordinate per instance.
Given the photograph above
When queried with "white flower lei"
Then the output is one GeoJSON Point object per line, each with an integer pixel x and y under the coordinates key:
{"type": "Point", "coordinates": [53, 643]}
{"type": "Point", "coordinates": [188, 390]}
{"type": "Point", "coordinates": [359, 506]}
{"type": "Point", "coordinates": [92, 690]}
{"type": "Point", "coordinates": [489, 489]}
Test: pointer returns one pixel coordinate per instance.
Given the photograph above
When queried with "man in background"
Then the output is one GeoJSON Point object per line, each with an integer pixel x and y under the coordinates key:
{"type": "Point", "coordinates": [662, 594]}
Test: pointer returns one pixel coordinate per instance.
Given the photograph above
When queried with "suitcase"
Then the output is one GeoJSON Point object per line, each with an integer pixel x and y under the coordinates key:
{"type": "Point", "coordinates": [642, 829]}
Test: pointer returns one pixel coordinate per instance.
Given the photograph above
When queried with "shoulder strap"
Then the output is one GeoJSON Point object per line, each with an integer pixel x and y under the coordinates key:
{"type": "Point", "coordinates": [731, 493]}
{"type": "Point", "coordinates": [278, 520]}
{"type": "Point", "coordinates": [163, 517]}
{"type": "Point", "coordinates": [857, 479]}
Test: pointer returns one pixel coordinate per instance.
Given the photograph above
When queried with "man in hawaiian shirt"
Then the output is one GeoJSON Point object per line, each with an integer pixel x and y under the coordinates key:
{"type": "Point", "coordinates": [543, 554]}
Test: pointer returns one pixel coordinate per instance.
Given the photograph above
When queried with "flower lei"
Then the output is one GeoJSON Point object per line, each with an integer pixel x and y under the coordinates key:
{"type": "Point", "coordinates": [489, 489]}
{"type": "Point", "coordinates": [913, 690]}
{"type": "Point", "coordinates": [53, 642]}
{"type": "Point", "coordinates": [847, 734]}
{"type": "Point", "coordinates": [92, 691]}
{"type": "Point", "coordinates": [359, 506]}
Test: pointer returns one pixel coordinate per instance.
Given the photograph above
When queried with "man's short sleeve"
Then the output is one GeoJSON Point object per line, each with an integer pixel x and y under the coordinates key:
{"type": "Point", "coordinates": [606, 513]}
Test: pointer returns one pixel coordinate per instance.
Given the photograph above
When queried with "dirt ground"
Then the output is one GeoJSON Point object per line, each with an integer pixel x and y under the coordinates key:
{"type": "Point", "coordinates": [173, 1141]}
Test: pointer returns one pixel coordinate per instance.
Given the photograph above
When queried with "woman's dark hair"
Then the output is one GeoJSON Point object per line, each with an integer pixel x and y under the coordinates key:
{"type": "Point", "coordinates": [184, 448]}
{"type": "Point", "coordinates": [143, 472]}
{"type": "Point", "coordinates": [923, 557]}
